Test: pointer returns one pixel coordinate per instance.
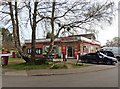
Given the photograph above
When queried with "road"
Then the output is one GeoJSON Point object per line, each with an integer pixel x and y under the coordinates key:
{"type": "Point", "coordinates": [104, 78]}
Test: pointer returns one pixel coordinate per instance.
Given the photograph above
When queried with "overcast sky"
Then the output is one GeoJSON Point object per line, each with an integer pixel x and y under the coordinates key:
{"type": "Point", "coordinates": [108, 33]}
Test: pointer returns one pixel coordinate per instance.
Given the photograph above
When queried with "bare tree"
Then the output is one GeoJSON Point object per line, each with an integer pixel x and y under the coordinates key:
{"type": "Point", "coordinates": [32, 19]}
{"type": "Point", "coordinates": [61, 16]}
{"type": "Point", "coordinates": [12, 13]}
{"type": "Point", "coordinates": [115, 42]}
{"type": "Point", "coordinates": [65, 16]}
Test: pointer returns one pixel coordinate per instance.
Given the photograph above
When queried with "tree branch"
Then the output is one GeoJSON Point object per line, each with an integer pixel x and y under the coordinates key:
{"type": "Point", "coordinates": [5, 12]}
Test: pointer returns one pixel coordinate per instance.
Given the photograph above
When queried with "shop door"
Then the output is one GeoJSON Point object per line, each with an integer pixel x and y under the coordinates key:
{"type": "Point", "coordinates": [70, 52]}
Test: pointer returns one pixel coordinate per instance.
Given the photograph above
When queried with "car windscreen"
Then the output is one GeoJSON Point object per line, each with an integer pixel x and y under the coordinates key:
{"type": "Point", "coordinates": [101, 54]}
{"type": "Point", "coordinates": [110, 54]}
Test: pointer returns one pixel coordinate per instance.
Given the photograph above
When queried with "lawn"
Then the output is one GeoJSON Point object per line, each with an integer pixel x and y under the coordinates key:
{"type": "Point", "coordinates": [26, 66]}
{"type": "Point", "coordinates": [15, 60]}
{"type": "Point", "coordinates": [19, 64]}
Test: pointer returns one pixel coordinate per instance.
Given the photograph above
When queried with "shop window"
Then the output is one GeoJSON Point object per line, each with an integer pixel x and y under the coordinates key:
{"type": "Point", "coordinates": [38, 50]}
{"type": "Point", "coordinates": [45, 49]}
{"type": "Point", "coordinates": [29, 50]}
{"type": "Point", "coordinates": [54, 50]}
{"type": "Point", "coordinates": [84, 48]}
{"type": "Point", "coordinates": [96, 49]}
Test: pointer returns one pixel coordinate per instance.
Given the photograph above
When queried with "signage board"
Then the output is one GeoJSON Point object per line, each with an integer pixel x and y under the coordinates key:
{"type": "Point", "coordinates": [68, 39]}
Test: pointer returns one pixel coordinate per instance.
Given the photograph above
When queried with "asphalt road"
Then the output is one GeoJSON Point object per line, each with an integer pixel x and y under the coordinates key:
{"type": "Point", "coordinates": [105, 78]}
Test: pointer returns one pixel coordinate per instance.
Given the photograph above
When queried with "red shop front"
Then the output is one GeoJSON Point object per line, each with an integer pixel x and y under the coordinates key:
{"type": "Point", "coordinates": [69, 46]}
{"type": "Point", "coordinates": [71, 51]}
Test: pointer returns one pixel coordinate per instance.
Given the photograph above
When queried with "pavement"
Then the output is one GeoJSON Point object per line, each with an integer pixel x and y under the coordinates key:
{"type": "Point", "coordinates": [49, 72]}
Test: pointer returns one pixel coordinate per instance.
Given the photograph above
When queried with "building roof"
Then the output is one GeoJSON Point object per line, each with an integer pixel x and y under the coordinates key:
{"type": "Point", "coordinates": [89, 36]}
{"type": "Point", "coordinates": [68, 39]}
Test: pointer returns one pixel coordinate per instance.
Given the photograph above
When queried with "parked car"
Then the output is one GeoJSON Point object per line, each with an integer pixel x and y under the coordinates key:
{"type": "Point", "coordinates": [114, 50]}
{"type": "Point", "coordinates": [98, 57]}
{"type": "Point", "coordinates": [109, 53]}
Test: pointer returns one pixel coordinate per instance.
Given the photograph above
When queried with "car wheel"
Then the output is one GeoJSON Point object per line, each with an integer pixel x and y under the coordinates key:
{"type": "Point", "coordinates": [97, 61]}
{"type": "Point", "coordinates": [82, 61]}
{"type": "Point", "coordinates": [114, 63]}
{"type": "Point", "coordinates": [86, 61]}
{"type": "Point", "coordinates": [108, 62]}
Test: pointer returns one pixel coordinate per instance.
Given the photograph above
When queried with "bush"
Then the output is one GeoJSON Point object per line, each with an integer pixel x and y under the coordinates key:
{"type": "Point", "coordinates": [41, 61]}
{"type": "Point", "coordinates": [58, 66]}
{"type": "Point", "coordinates": [78, 64]}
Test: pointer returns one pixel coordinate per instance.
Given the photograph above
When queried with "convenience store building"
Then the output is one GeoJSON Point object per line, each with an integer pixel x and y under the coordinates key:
{"type": "Point", "coordinates": [70, 46]}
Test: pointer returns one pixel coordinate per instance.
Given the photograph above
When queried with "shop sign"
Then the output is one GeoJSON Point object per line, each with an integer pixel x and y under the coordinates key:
{"type": "Point", "coordinates": [68, 39]}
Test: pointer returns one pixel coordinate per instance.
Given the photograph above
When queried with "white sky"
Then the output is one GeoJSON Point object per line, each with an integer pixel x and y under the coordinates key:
{"type": "Point", "coordinates": [109, 32]}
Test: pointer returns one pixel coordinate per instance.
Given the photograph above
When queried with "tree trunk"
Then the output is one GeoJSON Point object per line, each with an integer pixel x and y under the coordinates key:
{"type": "Point", "coordinates": [52, 26]}
{"type": "Point", "coordinates": [13, 22]}
{"type": "Point", "coordinates": [15, 25]}
{"type": "Point", "coordinates": [34, 25]}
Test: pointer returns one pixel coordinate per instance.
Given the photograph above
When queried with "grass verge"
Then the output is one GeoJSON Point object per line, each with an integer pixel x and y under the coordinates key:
{"type": "Point", "coordinates": [18, 64]}
{"type": "Point", "coordinates": [59, 66]}
{"type": "Point", "coordinates": [26, 66]}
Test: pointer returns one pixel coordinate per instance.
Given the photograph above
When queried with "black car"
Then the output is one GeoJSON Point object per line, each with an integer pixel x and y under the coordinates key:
{"type": "Point", "coordinates": [98, 57]}
{"type": "Point", "coordinates": [108, 53]}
